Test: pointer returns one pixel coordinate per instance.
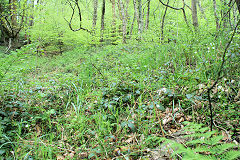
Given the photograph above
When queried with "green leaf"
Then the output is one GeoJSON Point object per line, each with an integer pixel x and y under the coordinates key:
{"type": "Point", "coordinates": [91, 155]}
{"type": "Point", "coordinates": [2, 151]}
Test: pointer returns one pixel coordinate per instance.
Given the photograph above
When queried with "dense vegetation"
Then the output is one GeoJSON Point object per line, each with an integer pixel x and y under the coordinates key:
{"type": "Point", "coordinates": [119, 79]}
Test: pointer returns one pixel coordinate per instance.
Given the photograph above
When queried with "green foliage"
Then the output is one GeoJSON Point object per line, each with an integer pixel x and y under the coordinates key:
{"type": "Point", "coordinates": [202, 144]}
{"type": "Point", "coordinates": [94, 100]}
{"type": "Point", "coordinates": [13, 119]}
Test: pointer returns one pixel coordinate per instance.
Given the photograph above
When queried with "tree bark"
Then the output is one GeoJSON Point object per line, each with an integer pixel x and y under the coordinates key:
{"type": "Point", "coordinates": [194, 14]}
{"type": "Point", "coordinates": [135, 15]}
{"type": "Point", "coordinates": [163, 20]}
{"type": "Point", "coordinates": [147, 16]}
{"type": "Point", "coordinates": [11, 30]}
{"type": "Point", "coordinates": [102, 20]}
{"type": "Point", "coordinates": [140, 19]}
{"type": "Point", "coordinates": [124, 20]}
{"type": "Point", "coordinates": [113, 18]}
{"type": "Point", "coordinates": [95, 8]}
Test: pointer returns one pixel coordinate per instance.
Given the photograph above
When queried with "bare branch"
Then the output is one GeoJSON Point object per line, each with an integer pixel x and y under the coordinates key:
{"type": "Point", "coordinates": [182, 8]}
{"type": "Point", "coordinates": [76, 4]}
{"type": "Point", "coordinates": [170, 6]}
{"type": "Point", "coordinates": [219, 73]}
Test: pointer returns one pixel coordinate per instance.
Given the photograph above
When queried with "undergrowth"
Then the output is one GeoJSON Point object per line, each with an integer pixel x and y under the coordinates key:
{"type": "Point", "coordinates": [104, 102]}
{"type": "Point", "coordinates": [200, 143]}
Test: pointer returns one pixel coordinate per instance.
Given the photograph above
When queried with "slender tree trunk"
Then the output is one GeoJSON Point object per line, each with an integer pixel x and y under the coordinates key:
{"type": "Point", "coordinates": [140, 22]}
{"type": "Point", "coordinates": [163, 20]}
{"type": "Point", "coordinates": [120, 17]}
{"type": "Point", "coordinates": [14, 35]}
{"type": "Point", "coordinates": [229, 14]}
{"type": "Point", "coordinates": [95, 8]}
{"type": "Point", "coordinates": [135, 15]}
{"type": "Point", "coordinates": [31, 16]}
{"type": "Point", "coordinates": [215, 14]}
{"type": "Point", "coordinates": [1, 27]}
{"type": "Point", "coordinates": [127, 16]}
{"type": "Point", "coordinates": [113, 18]}
{"type": "Point", "coordinates": [124, 21]}
{"type": "Point", "coordinates": [194, 14]}
{"type": "Point", "coordinates": [102, 20]}
{"type": "Point", "coordinates": [147, 17]}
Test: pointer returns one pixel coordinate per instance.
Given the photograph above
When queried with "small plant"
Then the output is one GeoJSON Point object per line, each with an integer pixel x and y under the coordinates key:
{"type": "Point", "coordinates": [202, 144]}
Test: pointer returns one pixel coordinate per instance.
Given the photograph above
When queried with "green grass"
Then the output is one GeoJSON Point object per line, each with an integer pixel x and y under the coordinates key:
{"type": "Point", "coordinates": [99, 102]}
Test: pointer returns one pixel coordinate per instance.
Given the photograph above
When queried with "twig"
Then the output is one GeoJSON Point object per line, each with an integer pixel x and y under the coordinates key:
{"type": "Point", "coordinates": [223, 130]}
{"type": "Point", "coordinates": [217, 34]}
{"type": "Point", "coordinates": [160, 121]}
{"type": "Point", "coordinates": [99, 71]}
{"type": "Point", "coordinates": [219, 74]}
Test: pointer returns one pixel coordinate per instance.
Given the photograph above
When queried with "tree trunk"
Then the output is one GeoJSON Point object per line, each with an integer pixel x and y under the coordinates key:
{"type": "Point", "coordinates": [1, 29]}
{"type": "Point", "coordinates": [25, 17]}
{"type": "Point", "coordinates": [140, 19]}
{"type": "Point", "coordinates": [31, 15]}
{"type": "Point", "coordinates": [127, 16]}
{"type": "Point", "coordinates": [113, 18]}
{"type": "Point", "coordinates": [13, 12]}
{"type": "Point", "coordinates": [4, 35]}
{"type": "Point", "coordinates": [194, 14]}
{"type": "Point", "coordinates": [102, 20]}
{"type": "Point", "coordinates": [147, 17]}
{"type": "Point", "coordinates": [124, 20]}
{"type": "Point", "coordinates": [11, 33]}
{"type": "Point", "coordinates": [135, 15]}
{"type": "Point", "coordinates": [163, 20]}
{"type": "Point", "coordinates": [215, 14]}
{"type": "Point", "coordinates": [95, 8]}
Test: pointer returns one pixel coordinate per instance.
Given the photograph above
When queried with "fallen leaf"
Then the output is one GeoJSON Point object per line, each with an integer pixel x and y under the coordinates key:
{"type": "Point", "coordinates": [83, 155]}
{"type": "Point", "coordinates": [225, 136]}
{"type": "Point", "coordinates": [60, 157]}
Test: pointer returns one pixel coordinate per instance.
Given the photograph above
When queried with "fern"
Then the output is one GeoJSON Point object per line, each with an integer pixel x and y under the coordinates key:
{"type": "Point", "coordinates": [231, 155]}
{"type": "Point", "coordinates": [203, 146]}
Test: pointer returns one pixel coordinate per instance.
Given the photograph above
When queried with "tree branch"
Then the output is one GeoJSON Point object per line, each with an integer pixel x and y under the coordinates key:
{"type": "Point", "coordinates": [76, 4]}
{"type": "Point", "coordinates": [182, 8]}
{"type": "Point", "coordinates": [219, 73]}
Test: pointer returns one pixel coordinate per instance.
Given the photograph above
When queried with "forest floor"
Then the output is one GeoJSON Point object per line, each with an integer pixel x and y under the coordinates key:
{"type": "Point", "coordinates": [116, 102]}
